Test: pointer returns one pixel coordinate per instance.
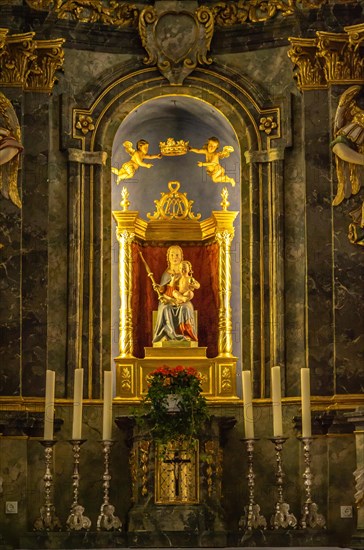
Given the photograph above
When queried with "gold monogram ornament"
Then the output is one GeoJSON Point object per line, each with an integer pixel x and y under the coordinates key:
{"type": "Point", "coordinates": [173, 205]}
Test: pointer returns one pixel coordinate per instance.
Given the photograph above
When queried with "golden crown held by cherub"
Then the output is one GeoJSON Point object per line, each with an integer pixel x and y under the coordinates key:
{"type": "Point", "coordinates": [172, 148]}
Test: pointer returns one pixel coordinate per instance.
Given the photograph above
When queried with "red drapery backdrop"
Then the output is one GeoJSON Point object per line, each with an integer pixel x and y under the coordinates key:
{"type": "Point", "coordinates": [204, 261]}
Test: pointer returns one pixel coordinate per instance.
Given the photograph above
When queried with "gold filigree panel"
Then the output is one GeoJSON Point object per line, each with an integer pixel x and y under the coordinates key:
{"type": "Point", "coordinates": [125, 14]}
{"type": "Point", "coordinates": [177, 479]}
{"type": "Point", "coordinates": [91, 11]}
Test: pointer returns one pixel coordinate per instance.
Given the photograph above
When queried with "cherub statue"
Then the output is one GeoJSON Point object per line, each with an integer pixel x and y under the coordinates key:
{"type": "Point", "coordinates": [10, 148]}
{"type": "Point", "coordinates": [129, 168]}
{"type": "Point", "coordinates": [212, 160]}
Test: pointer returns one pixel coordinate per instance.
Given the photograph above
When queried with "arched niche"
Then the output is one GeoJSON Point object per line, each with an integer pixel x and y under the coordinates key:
{"type": "Point", "coordinates": [192, 120]}
{"type": "Point", "coordinates": [256, 122]}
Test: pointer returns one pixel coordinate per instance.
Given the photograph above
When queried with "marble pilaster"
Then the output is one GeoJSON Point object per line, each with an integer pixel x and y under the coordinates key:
{"type": "Point", "coordinates": [34, 268]}
{"type": "Point", "coordinates": [267, 248]}
{"type": "Point", "coordinates": [85, 265]}
{"type": "Point", "coordinates": [319, 286]}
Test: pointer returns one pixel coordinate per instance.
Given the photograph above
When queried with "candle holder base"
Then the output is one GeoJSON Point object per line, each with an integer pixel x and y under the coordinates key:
{"type": "Point", "coordinates": [47, 521]}
{"type": "Point", "coordinates": [283, 518]}
{"type": "Point", "coordinates": [311, 518]}
{"type": "Point", "coordinates": [107, 521]}
{"type": "Point", "coordinates": [76, 520]}
{"type": "Point", "coordinates": [252, 518]}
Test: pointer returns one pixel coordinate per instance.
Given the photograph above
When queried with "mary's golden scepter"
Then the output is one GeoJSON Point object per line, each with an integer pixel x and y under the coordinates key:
{"type": "Point", "coordinates": [151, 277]}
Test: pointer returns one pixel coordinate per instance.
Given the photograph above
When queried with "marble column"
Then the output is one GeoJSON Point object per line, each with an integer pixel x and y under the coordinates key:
{"type": "Point", "coordinates": [319, 284]}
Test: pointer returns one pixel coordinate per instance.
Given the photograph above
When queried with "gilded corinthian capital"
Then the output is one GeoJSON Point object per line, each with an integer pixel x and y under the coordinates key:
{"type": "Point", "coordinates": [49, 57]}
{"type": "Point", "coordinates": [330, 58]}
{"type": "Point", "coordinates": [309, 72]}
{"type": "Point", "coordinates": [28, 63]}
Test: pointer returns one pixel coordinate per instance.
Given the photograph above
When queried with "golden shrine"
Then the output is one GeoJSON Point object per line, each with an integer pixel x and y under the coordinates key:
{"type": "Point", "coordinates": [173, 222]}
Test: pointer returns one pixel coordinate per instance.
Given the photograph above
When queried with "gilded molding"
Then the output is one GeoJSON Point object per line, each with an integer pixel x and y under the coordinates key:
{"type": "Point", "coordinates": [330, 58]}
{"type": "Point", "coordinates": [28, 63]}
{"type": "Point", "coordinates": [90, 11]}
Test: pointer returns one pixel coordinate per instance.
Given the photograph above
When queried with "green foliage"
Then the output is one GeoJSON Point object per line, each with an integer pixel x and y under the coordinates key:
{"type": "Point", "coordinates": [187, 421]}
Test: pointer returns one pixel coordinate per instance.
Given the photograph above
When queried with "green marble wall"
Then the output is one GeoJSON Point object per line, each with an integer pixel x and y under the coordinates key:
{"type": "Point", "coordinates": [323, 276]}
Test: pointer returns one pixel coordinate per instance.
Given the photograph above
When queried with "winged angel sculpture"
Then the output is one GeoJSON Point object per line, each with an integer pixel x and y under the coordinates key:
{"type": "Point", "coordinates": [137, 155]}
{"type": "Point", "coordinates": [348, 147]}
{"type": "Point", "coordinates": [10, 148]}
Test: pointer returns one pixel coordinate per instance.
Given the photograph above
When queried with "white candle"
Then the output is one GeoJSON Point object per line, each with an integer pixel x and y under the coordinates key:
{"type": "Point", "coordinates": [277, 401]}
{"type": "Point", "coordinates": [49, 405]}
{"type": "Point", "coordinates": [77, 404]}
{"type": "Point", "coordinates": [248, 405]}
{"type": "Point", "coordinates": [107, 411]}
{"type": "Point", "coordinates": [306, 402]}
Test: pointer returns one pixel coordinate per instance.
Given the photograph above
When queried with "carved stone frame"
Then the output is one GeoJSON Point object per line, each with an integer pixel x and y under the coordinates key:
{"type": "Point", "coordinates": [263, 129]}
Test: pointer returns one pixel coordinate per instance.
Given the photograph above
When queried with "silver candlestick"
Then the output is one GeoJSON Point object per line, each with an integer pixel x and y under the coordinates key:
{"type": "Point", "coordinates": [252, 518]}
{"type": "Point", "coordinates": [47, 521]}
{"type": "Point", "coordinates": [107, 521]}
{"type": "Point", "coordinates": [76, 521]}
{"type": "Point", "coordinates": [310, 515]}
{"type": "Point", "coordinates": [282, 517]}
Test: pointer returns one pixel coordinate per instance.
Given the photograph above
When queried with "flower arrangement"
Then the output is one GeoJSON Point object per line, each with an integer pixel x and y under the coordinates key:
{"type": "Point", "coordinates": [186, 417]}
